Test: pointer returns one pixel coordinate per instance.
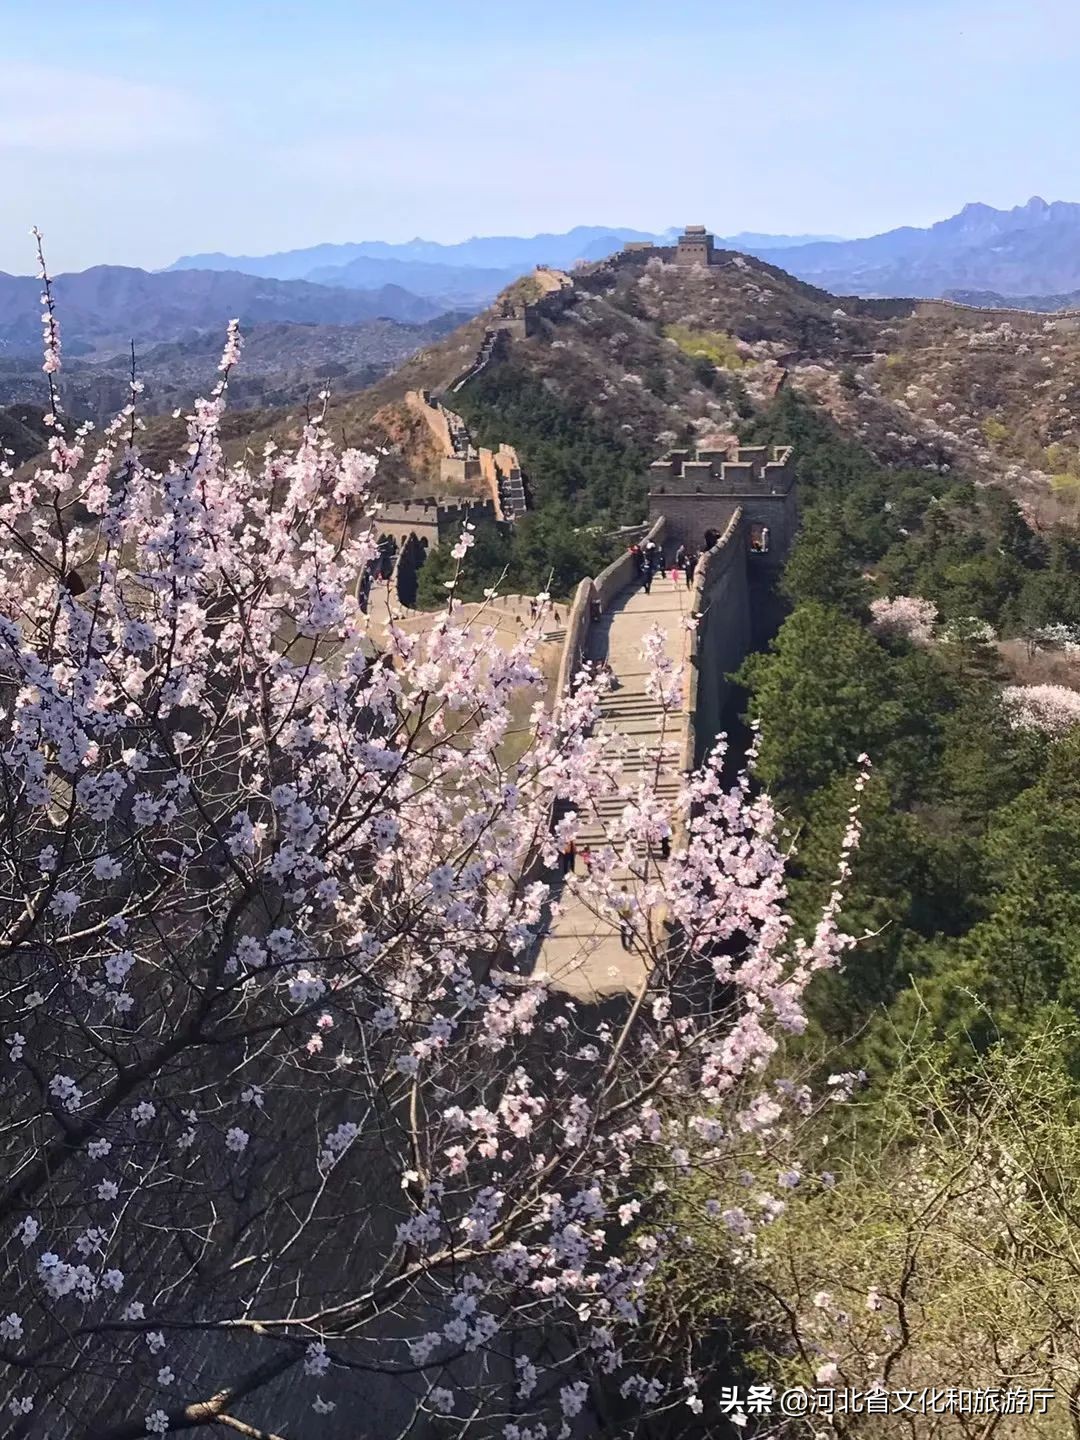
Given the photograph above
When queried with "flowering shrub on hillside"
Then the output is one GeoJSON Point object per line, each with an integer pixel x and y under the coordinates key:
{"type": "Point", "coordinates": [1051, 709]}
{"type": "Point", "coordinates": [904, 615]}
{"type": "Point", "coordinates": [290, 1127]}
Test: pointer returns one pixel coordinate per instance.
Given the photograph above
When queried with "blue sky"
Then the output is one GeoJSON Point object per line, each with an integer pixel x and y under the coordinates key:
{"type": "Point", "coordinates": [135, 132]}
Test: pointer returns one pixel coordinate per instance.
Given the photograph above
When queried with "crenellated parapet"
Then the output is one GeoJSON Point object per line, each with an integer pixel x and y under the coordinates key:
{"type": "Point", "coordinates": [724, 468]}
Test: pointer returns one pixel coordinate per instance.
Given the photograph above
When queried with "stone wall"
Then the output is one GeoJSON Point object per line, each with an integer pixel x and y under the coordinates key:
{"type": "Point", "coordinates": [1019, 319]}
{"type": "Point", "coordinates": [431, 520]}
{"type": "Point", "coordinates": [689, 516]}
{"type": "Point", "coordinates": [721, 599]}
{"type": "Point", "coordinates": [578, 622]}
{"type": "Point", "coordinates": [460, 470]}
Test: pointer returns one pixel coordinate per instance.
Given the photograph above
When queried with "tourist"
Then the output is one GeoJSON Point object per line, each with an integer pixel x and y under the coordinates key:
{"type": "Point", "coordinates": [624, 909]}
{"type": "Point", "coordinates": [689, 566]}
{"type": "Point", "coordinates": [586, 859]}
{"type": "Point", "coordinates": [566, 860]}
{"type": "Point", "coordinates": [646, 573]}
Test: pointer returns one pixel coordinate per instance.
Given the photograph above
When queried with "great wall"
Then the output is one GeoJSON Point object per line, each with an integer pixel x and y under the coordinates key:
{"type": "Point", "coordinates": [489, 485]}
{"type": "Point", "coordinates": [735, 506]}
{"type": "Point", "coordinates": [738, 506]}
{"type": "Point", "coordinates": [483, 484]}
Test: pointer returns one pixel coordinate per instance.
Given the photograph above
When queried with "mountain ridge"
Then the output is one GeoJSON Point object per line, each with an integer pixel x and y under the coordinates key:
{"type": "Point", "coordinates": [1031, 249]}
{"type": "Point", "coordinates": [102, 309]}
{"type": "Point", "coordinates": [467, 271]}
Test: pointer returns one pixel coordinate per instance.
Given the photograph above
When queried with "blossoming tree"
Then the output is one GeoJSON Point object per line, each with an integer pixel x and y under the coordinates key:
{"type": "Point", "coordinates": [1050, 709]}
{"type": "Point", "coordinates": [291, 1136]}
{"type": "Point", "coordinates": [908, 616]}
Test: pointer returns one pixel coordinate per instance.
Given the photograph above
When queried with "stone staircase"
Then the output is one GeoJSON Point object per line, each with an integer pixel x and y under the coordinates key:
{"type": "Point", "coordinates": [642, 723]}
{"type": "Point", "coordinates": [512, 497]}
{"type": "Point", "coordinates": [580, 951]}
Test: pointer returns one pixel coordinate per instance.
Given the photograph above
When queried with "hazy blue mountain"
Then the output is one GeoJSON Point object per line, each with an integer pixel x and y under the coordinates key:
{"type": "Point", "coordinates": [752, 240]}
{"type": "Point", "coordinates": [103, 308]}
{"type": "Point", "coordinates": [1032, 249]}
{"type": "Point", "coordinates": [489, 252]}
{"type": "Point", "coordinates": [469, 272]}
{"type": "Point", "coordinates": [450, 286]}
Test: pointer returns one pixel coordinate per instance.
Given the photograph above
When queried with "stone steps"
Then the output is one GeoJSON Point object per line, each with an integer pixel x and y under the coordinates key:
{"type": "Point", "coordinates": [580, 951]}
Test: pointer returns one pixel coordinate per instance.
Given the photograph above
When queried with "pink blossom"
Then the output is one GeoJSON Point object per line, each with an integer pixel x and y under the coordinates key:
{"type": "Point", "coordinates": [908, 616]}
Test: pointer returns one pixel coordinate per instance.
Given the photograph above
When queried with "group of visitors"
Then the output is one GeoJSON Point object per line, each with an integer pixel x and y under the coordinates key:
{"type": "Point", "coordinates": [649, 559]}
{"type": "Point", "coordinates": [624, 903]}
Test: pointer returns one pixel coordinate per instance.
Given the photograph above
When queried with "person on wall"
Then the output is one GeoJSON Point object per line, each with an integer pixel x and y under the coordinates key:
{"type": "Point", "coordinates": [624, 909]}
{"type": "Point", "coordinates": [646, 572]}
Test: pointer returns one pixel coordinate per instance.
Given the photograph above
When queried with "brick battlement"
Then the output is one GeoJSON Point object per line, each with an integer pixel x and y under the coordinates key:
{"type": "Point", "coordinates": [729, 469]}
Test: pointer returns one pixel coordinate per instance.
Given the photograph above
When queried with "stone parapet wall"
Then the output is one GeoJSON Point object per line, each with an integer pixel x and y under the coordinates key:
{"type": "Point", "coordinates": [720, 598]}
{"type": "Point", "coordinates": [1023, 319]}
{"type": "Point", "coordinates": [431, 519]}
{"type": "Point", "coordinates": [578, 621]}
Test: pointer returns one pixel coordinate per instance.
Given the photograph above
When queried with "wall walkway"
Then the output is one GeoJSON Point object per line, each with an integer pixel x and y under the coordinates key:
{"type": "Point", "coordinates": [580, 951]}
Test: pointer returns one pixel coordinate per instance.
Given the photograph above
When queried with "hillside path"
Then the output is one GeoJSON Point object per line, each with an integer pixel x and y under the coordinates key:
{"type": "Point", "coordinates": [581, 951]}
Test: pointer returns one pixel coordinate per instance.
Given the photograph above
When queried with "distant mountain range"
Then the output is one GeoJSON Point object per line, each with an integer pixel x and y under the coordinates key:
{"type": "Point", "coordinates": [1031, 250]}
{"type": "Point", "coordinates": [282, 363]}
{"type": "Point", "coordinates": [1028, 256]}
{"type": "Point", "coordinates": [469, 273]}
{"type": "Point", "coordinates": [101, 310]}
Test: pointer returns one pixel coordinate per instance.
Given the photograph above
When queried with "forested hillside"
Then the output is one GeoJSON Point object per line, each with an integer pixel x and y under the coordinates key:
{"type": "Point", "coordinates": [931, 629]}
{"type": "Point", "coordinates": [834, 1141]}
{"type": "Point", "coordinates": [924, 612]}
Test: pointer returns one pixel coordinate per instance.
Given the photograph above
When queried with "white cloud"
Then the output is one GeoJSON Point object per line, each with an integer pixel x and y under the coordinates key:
{"type": "Point", "coordinates": [49, 108]}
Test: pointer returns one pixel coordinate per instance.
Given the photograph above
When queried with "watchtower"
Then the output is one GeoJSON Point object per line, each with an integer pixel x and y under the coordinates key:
{"type": "Point", "coordinates": [694, 246]}
{"type": "Point", "coordinates": [700, 491]}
